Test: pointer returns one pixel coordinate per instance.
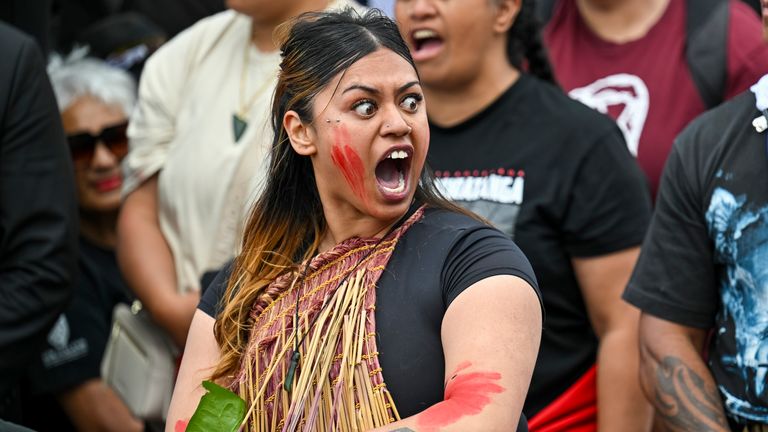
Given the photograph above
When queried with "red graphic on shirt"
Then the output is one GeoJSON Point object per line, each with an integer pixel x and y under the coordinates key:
{"type": "Point", "coordinates": [465, 395]}
{"type": "Point", "coordinates": [625, 98]}
{"type": "Point", "coordinates": [349, 163]}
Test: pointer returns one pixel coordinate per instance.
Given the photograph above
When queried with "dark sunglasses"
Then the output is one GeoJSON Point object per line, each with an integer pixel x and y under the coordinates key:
{"type": "Point", "coordinates": [83, 145]}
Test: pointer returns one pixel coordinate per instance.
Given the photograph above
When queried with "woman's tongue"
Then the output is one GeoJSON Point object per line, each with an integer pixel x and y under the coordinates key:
{"type": "Point", "coordinates": [388, 174]}
{"type": "Point", "coordinates": [427, 49]}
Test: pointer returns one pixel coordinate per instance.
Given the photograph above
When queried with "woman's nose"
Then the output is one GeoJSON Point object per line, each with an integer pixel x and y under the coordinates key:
{"type": "Point", "coordinates": [103, 157]}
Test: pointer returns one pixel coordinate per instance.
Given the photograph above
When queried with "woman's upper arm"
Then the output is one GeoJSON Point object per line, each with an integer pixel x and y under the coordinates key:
{"type": "Point", "coordinates": [200, 358]}
{"type": "Point", "coordinates": [490, 334]}
{"type": "Point", "coordinates": [152, 126]}
{"type": "Point", "coordinates": [142, 251]}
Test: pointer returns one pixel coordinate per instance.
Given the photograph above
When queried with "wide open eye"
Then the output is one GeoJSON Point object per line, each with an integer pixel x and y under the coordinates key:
{"type": "Point", "coordinates": [411, 103]}
{"type": "Point", "coordinates": [365, 108]}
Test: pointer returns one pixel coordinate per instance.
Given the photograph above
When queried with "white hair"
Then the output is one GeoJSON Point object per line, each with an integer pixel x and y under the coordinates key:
{"type": "Point", "coordinates": [77, 75]}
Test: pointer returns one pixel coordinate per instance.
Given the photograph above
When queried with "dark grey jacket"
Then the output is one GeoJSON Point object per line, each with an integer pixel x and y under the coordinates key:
{"type": "Point", "coordinates": [38, 208]}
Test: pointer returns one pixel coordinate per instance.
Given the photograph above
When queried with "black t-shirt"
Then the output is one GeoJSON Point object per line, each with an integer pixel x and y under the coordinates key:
{"type": "Point", "coordinates": [76, 343]}
{"type": "Point", "coordinates": [434, 261]}
{"type": "Point", "coordinates": [705, 261]}
{"type": "Point", "coordinates": [558, 178]}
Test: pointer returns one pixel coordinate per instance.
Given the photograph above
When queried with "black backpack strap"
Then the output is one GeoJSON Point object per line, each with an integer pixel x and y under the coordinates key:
{"type": "Point", "coordinates": [706, 47]}
{"type": "Point", "coordinates": [544, 10]}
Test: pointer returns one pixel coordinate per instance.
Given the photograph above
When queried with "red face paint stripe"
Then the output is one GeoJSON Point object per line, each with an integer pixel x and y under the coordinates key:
{"type": "Point", "coordinates": [348, 162]}
{"type": "Point", "coordinates": [356, 166]}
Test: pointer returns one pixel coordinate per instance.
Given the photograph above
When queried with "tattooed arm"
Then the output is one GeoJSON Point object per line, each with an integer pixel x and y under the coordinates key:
{"type": "Point", "coordinates": [675, 378]}
{"type": "Point", "coordinates": [490, 335]}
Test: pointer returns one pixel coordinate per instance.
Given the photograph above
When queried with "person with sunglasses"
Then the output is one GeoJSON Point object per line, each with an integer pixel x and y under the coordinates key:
{"type": "Point", "coordinates": [94, 100]}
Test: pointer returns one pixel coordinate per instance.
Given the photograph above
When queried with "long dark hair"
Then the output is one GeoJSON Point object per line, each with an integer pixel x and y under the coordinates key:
{"type": "Point", "coordinates": [525, 45]}
{"type": "Point", "coordinates": [287, 222]}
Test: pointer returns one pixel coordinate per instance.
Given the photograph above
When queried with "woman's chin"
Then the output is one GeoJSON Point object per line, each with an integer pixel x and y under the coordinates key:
{"type": "Point", "coordinates": [392, 205]}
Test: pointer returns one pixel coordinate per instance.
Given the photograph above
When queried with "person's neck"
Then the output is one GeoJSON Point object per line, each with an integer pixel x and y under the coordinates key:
{"type": "Point", "coordinates": [262, 36]}
{"type": "Point", "coordinates": [263, 32]}
{"type": "Point", "coordinates": [450, 106]}
{"type": "Point", "coordinates": [341, 226]}
{"type": "Point", "coordinates": [621, 21]}
{"type": "Point", "coordinates": [100, 228]}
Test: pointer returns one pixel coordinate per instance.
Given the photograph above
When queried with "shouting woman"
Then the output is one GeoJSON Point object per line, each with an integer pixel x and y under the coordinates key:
{"type": "Point", "coordinates": [361, 299]}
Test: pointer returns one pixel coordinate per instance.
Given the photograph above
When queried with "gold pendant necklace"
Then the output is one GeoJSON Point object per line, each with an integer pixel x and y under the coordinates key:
{"type": "Point", "coordinates": [240, 117]}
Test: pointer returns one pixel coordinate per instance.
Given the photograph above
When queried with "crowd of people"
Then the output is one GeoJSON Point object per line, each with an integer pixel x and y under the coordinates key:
{"type": "Point", "coordinates": [470, 215]}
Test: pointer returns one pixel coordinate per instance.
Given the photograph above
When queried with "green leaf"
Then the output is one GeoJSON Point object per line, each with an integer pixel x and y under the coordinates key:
{"type": "Point", "coordinates": [219, 410]}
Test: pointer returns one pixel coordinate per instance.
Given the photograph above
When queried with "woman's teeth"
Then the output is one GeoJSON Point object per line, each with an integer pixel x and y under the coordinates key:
{"type": "Point", "coordinates": [424, 34]}
{"type": "Point", "coordinates": [397, 155]}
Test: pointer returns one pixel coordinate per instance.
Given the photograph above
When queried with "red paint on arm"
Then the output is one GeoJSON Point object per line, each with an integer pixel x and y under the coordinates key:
{"type": "Point", "coordinates": [465, 395]}
{"type": "Point", "coordinates": [181, 426]}
{"type": "Point", "coordinates": [460, 368]}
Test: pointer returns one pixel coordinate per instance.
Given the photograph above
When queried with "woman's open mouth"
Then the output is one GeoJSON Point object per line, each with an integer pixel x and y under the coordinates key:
{"type": "Point", "coordinates": [426, 44]}
{"type": "Point", "coordinates": [392, 173]}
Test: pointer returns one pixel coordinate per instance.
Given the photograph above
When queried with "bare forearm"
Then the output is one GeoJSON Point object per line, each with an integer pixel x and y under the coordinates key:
{"type": "Point", "coordinates": [684, 394]}
{"type": "Point", "coordinates": [147, 264]}
{"type": "Point", "coordinates": [92, 406]}
{"type": "Point", "coordinates": [675, 378]}
{"type": "Point", "coordinates": [427, 422]}
{"type": "Point", "coordinates": [620, 401]}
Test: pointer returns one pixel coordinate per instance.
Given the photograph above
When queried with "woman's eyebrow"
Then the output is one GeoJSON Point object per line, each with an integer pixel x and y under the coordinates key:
{"type": "Point", "coordinates": [375, 91]}
{"type": "Point", "coordinates": [361, 87]}
{"type": "Point", "coordinates": [407, 86]}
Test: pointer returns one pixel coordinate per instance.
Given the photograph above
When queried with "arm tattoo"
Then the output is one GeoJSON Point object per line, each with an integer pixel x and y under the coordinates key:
{"type": "Point", "coordinates": [684, 401]}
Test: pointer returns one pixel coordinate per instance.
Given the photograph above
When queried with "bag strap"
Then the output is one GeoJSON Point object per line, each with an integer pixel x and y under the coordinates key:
{"type": "Point", "coordinates": [544, 10]}
{"type": "Point", "coordinates": [706, 45]}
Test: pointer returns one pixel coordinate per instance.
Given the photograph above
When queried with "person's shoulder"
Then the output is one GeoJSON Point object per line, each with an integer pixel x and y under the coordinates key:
{"type": "Point", "coordinates": [741, 12]}
{"type": "Point", "coordinates": [216, 23]}
{"type": "Point", "coordinates": [450, 225]}
{"type": "Point", "coordinates": [717, 126]}
{"type": "Point", "coordinates": [745, 35]}
{"type": "Point", "coordinates": [446, 218]}
{"type": "Point", "coordinates": [702, 146]}
{"type": "Point", "coordinates": [12, 40]}
{"type": "Point", "coordinates": [559, 110]}
{"type": "Point", "coordinates": [22, 64]}
{"type": "Point", "coordinates": [17, 49]}
{"type": "Point", "coordinates": [200, 37]}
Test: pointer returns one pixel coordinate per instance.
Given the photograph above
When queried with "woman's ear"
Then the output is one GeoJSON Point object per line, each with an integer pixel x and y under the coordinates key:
{"type": "Point", "coordinates": [506, 14]}
{"type": "Point", "coordinates": [302, 136]}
